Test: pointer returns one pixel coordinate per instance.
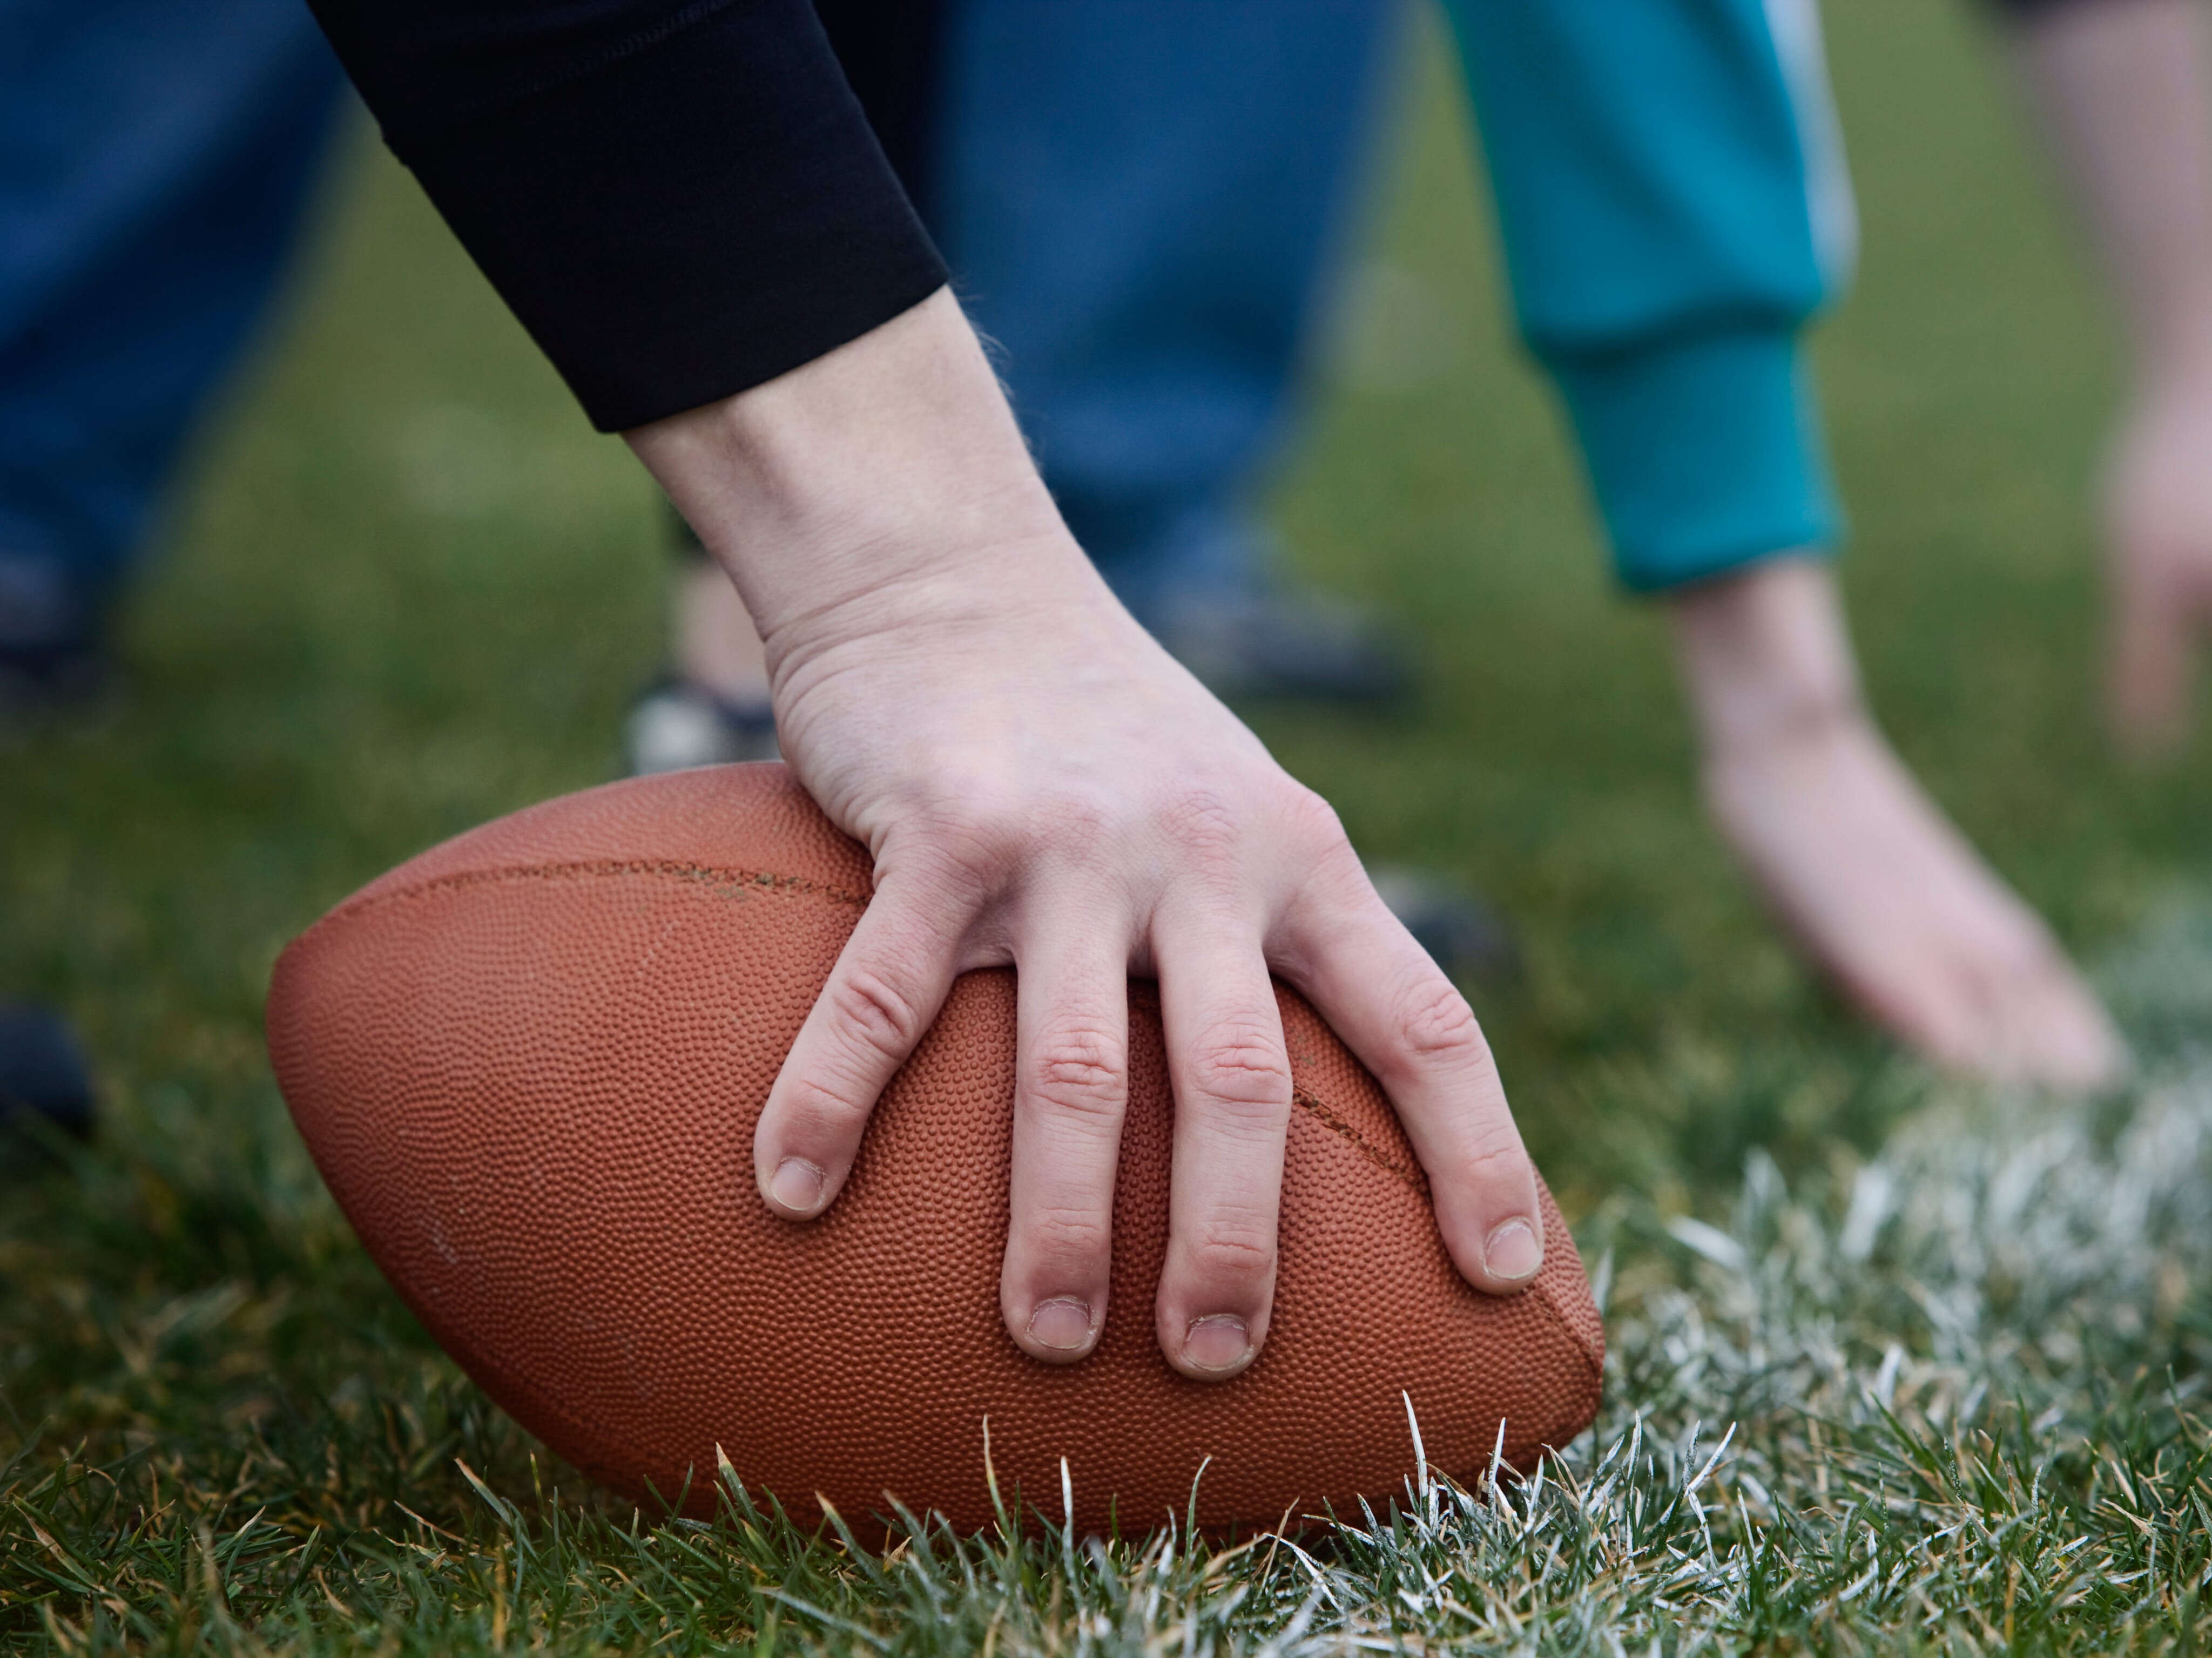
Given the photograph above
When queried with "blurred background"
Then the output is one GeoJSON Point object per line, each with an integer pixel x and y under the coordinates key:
{"type": "Point", "coordinates": [407, 590]}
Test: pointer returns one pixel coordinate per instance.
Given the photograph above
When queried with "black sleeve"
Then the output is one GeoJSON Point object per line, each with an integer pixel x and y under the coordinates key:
{"type": "Point", "coordinates": [893, 53]}
{"type": "Point", "coordinates": [679, 199]}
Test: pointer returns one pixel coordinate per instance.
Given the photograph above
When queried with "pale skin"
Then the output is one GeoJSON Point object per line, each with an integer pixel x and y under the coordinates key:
{"type": "Point", "coordinates": [1040, 785]}
{"type": "Point", "coordinates": [2123, 94]}
{"type": "Point", "coordinates": [717, 648]}
{"type": "Point", "coordinates": [1858, 863]}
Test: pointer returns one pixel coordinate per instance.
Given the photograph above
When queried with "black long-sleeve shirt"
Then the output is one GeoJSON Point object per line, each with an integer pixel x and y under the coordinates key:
{"type": "Point", "coordinates": [679, 199]}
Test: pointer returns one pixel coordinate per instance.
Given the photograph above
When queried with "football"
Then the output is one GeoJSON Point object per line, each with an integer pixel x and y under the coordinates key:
{"type": "Point", "coordinates": [529, 1063]}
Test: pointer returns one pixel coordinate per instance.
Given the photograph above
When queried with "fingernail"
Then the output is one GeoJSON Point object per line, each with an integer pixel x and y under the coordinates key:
{"type": "Point", "coordinates": [796, 1185]}
{"type": "Point", "coordinates": [1062, 1324]}
{"type": "Point", "coordinates": [1512, 1252]}
{"type": "Point", "coordinates": [1217, 1342]}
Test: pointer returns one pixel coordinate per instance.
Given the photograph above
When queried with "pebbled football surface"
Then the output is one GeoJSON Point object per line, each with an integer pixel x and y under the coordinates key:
{"type": "Point", "coordinates": [529, 1062]}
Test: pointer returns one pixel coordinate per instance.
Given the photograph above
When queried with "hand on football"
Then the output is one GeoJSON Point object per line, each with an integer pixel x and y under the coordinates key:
{"type": "Point", "coordinates": [1042, 786]}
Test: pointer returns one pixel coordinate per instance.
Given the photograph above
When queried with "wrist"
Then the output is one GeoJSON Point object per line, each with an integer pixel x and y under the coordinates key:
{"type": "Point", "coordinates": [1765, 659]}
{"type": "Point", "coordinates": [882, 487]}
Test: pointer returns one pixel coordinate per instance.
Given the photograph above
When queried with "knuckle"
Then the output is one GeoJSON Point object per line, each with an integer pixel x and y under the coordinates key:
{"type": "Point", "coordinates": [1070, 822]}
{"type": "Point", "coordinates": [876, 1013]}
{"type": "Point", "coordinates": [971, 860]}
{"type": "Point", "coordinates": [968, 846]}
{"type": "Point", "coordinates": [1059, 1236]}
{"type": "Point", "coordinates": [1437, 1024]}
{"type": "Point", "coordinates": [1230, 1250]}
{"type": "Point", "coordinates": [1081, 1071]}
{"type": "Point", "coordinates": [1313, 823]}
{"type": "Point", "coordinates": [1490, 1153]}
{"type": "Point", "coordinates": [811, 1107]}
{"type": "Point", "coordinates": [1242, 1064]}
{"type": "Point", "coordinates": [1202, 825]}
{"type": "Point", "coordinates": [978, 845]}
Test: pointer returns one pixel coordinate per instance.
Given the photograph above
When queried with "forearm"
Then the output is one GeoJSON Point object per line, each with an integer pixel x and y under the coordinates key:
{"type": "Point", "coordinates": [2123, 89]}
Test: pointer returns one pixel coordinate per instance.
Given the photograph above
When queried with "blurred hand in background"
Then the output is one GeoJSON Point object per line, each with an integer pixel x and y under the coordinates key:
{"type": "Point", "coordinates": [2123, 92]}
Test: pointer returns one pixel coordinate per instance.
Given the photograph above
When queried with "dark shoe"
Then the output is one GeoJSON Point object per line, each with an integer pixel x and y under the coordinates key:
{"type": "Point", "coordinates": [1288, 643]}
{"type": "Point", "coordinates": [41, 684]}
{"type": "Point", "coordinates": [675, 725]}
{"type": "Point", "coordinates": [44, 1080]}
{"type": "Point", "coordinates": [1463, 935]}
{"type": "Point", "coordinates": [51, 660]}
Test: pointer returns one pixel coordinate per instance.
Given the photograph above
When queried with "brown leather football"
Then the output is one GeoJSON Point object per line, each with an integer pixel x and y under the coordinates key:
{"type": "Point", "coordinates": [529, 1064]}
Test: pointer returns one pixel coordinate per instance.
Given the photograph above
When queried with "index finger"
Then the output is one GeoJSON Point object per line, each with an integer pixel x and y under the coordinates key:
{"type": "Point", "coordinates": [883, 995]}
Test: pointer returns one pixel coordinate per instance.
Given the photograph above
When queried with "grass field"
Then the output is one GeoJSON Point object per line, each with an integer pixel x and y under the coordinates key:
{"type": "Point", "coordinates": [1894, 1367]}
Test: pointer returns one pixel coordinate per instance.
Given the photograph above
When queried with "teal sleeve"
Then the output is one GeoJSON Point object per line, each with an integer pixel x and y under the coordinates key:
{"type": "Point", "coordinates": [1672, 201]}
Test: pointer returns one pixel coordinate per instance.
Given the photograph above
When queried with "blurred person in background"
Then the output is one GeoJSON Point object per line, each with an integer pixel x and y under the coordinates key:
{"type": "Point", "coordinates": [157, 159]}
{"type": "Point", "coordinates": [1139, 201]}
{"type": "Point", "coordinates": [2123, 90]}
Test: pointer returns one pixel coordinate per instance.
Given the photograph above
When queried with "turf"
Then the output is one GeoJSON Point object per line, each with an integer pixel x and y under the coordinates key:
{"type": "Point", "coordinates": [1893, 1366]}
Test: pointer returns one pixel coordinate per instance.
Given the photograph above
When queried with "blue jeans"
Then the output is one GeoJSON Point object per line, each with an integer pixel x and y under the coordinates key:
{"type": "Point", "coordinates": [155, 157]}
{"type": "Point", "coordinates": [1138, 199]}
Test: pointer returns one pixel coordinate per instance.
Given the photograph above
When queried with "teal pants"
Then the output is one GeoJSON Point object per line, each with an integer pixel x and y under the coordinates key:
{"type": "Point", "coordinates": [1671, 194]}
{"type": "Point", "coordinates": [1139, 196]}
